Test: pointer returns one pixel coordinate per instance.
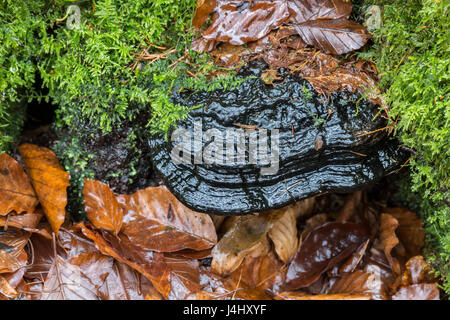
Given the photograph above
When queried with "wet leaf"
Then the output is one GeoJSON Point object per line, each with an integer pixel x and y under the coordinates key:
{"type": "Point", "coordinates": [150, 264]}
{"type": "Point", "coordinates": [423, 291]}
{"type": "Point", "coordinates": [246, 236]}
{"type": "Point", "coordinates": [12, 253]}
{"type": "Point", "coordinates": [321, 249]}
{"type": "Point", "coordinates": [16, 192]}
{"type": "Point", "coordinates": [49, 181]}
{"type": "Point", "coordinates": [302, 296]}
{"type": "Point", "coordinates": [388, 225]}
{"type": "Point", "coordinates": [6, 289]}
{"type": "Point", "coordinates": [306, 10]}
{"type": "Point", "coordinates": [335, 36]}
{"type": "Point", "coordinates": [65, 281]}
{"type": "Point", "coordinates": [27, 221]}
{"type": "Point", "coordinates": [155, 220]}
{"type": "Point", "coordinates": [410, 230]}
{"type": "Point", "coordinates": [184, 276]}
{"type": "Point", "coordinates": [283, 233]}
{"type": "Point", "coordinates": [359, 282]}
{"type": "Point", "coordinates": [102, 208]}
{"type": "Point", "coordinates": [237, 22]}
{"type": "Point", "coordinates": [202, 11]}
{"type": "Point", "coordinates": [354, 260]}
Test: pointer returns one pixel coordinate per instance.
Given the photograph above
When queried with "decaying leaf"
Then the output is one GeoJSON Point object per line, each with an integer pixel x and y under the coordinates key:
{"type": "Point", "coordinates": [354, 260]}
{"type": "Point", "coordinates": [335, 36]}
{"type": "Point", "coordinates": [6, 289]}
{"type": "Point", "coordinates": [102, 208]}
{"type": "Point", "coordinates": [184, 276]}
{"type": "Point", "coordinates": [49, 181]}
{"type": "Point", "coordinates": [12, 253]}
{"type": "Point", "coordinates": [307, 10]}
{"type": "Point", "coordinates": [65, 281]}
{"type": "Point", "coordinates": [388, 225]}
{"type": "Point", "coordinates": [16, 192]}
{"type": "Point", "coordinates": [150, 264]}
{"type": "Point", "coordinates": [423, 291]}
{"type": "Point", "coordinates": [202, 11]}
{"type": "Point", "coordinates": [246, 236]}
{"type": "Point", "coordinates": [410, 230]}
{"type": "Point", "coordinates": [295, 295]}
{"type": "Point", "coordinates": [26, 221]}
{"type": "Point", "coordinates": [155, 220]}
{"type": "Point", "coordinates": [321, 249]}
{"type": "Point", "coordinates": [283, 233]}
{"type": "Point", "coordinates": [237, 22]}
{"type": "Point", "coordinates": [359, 282]}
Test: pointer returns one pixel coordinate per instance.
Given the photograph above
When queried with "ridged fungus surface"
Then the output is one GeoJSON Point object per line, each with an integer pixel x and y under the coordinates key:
{"type": "Point", "coordinates": [231, 160]}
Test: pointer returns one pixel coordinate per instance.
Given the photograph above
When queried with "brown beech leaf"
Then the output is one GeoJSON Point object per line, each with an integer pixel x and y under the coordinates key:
{"type": "Point", "coordinates": [65, 281]}
{"type": "Point", "coordinates": [423, 291]}
{"type": "Point", "coordinates": [410, 230]}
{"type": "Point", "coordinates": [102, 208]}
{"type": "Point", "coordinates": [184, 276]}
{"type": "Point", "coordinates": [335, 36]}
{"type": "Point", "coordinates": [388, 225]}
{"type": "Point", "coordinates": [323, 248]}
{"type": "Point", "coordinates": [155, 220]}
{"type": "Point", "coordinates": [12, 253]}
{"type": "Point", "coordinates": [353, 261]}
{"type": "Point", "coordinates": [6, 289]}
{"type": "Point", "coordinates": [248, 235]}
{"type": "Point", "coordinates": [202, 11]}
{"type": "Point", "coordinates": [239, 289]}
{"type": "Point", "coordinates": [416, 271]}
{"type": "Point", "coordinates": [113, 280]}
{"type": "Point", "coordinates": [16, 192]}
{"type": "Point", "coordinates": [150, 264]}
{"type": "Point", "coordinates": [26, 221]}
{"type": "Point", "coordinates": [49, 181]}
{"type": "Point", "coordinates": [261, 272]}
{"type": "Point", "coordinates": [306, 10]}
{"type": "Point", "coordinates": [237, 22]}
{"type": "Point", "coordinates": [283, 233]}
{"type": "Point", "coordinates": [359, 282]}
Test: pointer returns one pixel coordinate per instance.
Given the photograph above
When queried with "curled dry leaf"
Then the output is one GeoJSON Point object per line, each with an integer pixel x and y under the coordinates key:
{"type": "Point", "coordinates": [155, 220]}
{"type": "Point", "coordinates": [388, 225]}
{"type": "Point", "coordinates": [65, 281]}
{"type": "Point", "coordinates": [321, 249]}
{"type": "Point", "coordinates": [410, 230]}
{"type": "Point", "coordinates": [12, 253]}
{"type": "Point", "coordinates": [102, 208]}
{"type": "Point", "coordinates": [149, 264]}
{"type": "Point", "coordinates": [237, 22]}
{"type": "Point", "coordinates": [335, 36]}
{"type": "Point", "coordinates": [246, 236]}
{"type": "Point", "coordinates": [49, 181]}
{"type": "Point", "coordinates": [16, 192]}
{"type": "Point", "coordinates": [423, 291]}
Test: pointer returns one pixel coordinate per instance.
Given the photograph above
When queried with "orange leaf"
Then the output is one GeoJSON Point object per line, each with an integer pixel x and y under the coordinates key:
{"type": "Point", "coordinates": [16, 192]}
{"type": "Point", "coordinates": [155, 220]}
{"type": "Point", "coordinates": [102, 208]}
{"type": "Point", "coordinates": [423, 291]}
{"type": "Point", "coordinates": [388, 238]}
{"type": "Point", "coordinates": [184, 276]}
{"type": "Point", "coordinates": [7, 290]}
{"type": "Point", "coordinates": [12, 253]}
{"type": "Point", "coordinates": [49, 181]}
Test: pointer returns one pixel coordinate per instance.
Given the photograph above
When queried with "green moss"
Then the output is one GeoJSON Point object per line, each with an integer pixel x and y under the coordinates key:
{"type": "Point", "coordinates": [411, 50]}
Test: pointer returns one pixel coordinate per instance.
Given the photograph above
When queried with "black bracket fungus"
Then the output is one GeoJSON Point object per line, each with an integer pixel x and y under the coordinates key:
{"type": "Point", "coordinates": [260, 146]}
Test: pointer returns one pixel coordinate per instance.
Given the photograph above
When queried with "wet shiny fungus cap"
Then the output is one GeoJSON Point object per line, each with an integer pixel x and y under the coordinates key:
{"type": "Point", "coordinates": [260, 147]}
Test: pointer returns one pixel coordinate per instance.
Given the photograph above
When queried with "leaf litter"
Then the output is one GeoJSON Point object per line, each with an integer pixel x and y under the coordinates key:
{"type": "Point", "coordinates": [148, 245]}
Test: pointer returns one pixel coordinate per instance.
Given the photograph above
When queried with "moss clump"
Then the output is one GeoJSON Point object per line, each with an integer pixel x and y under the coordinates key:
{"type": "Point", "coordinates": [411, 49]}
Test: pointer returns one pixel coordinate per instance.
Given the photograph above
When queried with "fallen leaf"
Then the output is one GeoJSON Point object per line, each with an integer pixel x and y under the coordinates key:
{"type": "Point", "coordinates": [359, 282]}
{"type": "Point", "coordinates": [314, 222]}
{"type": "Point", "coordinates": [16, 192]}
{"type": "Point", "coordinates": [248, 235]}
{"type": "Point", "coordinates": [306, 10]}
{"type": "Point", "coordinates": [388, 225]}
{"type": "Point", "coordinates": [354, 260]}
{"type": "Point", "coordinates": [7, 290]}
{"type": "Point", "coordinates": [283, 233]}
{"type": "Point", "coordinates": [321, 249]}
{"type": "Point", "coordinates": [102, 208]}
{"type": "Point", "coordinates": [12, 253]}
{"type": "Point", "coordinates": [26, 221]}
{"type": "Point", "coordinates": [65, 281]}
{"type": "Point", "coordinates": [302, 296]}
{"type": "Point", "coordinates": [49, 181]}
{"type": "Point", "coordinates": [350, 207]}
{"type": "Point", "coordinates": [155, 220]}
{"type": "Point", "coordinates": [410, 230]}
{"type": "Point", "coordinates": [150, 264]}
{"type": "Point", "coordinates": [237, 22]}
{"type": "Point", "coordinates": [202, 11]}
{"type": "Point", "coordinates": [423, 291]}
{"type": "Point", "coordinates": [184, 276]}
